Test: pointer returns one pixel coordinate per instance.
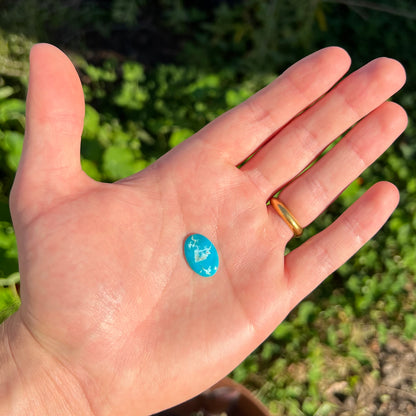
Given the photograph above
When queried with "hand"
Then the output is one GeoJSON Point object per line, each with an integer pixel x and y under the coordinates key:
{"type": "Point", "coordinates": [107, 297]}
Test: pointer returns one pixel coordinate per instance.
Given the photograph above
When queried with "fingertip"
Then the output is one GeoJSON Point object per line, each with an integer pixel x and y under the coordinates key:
{"type": "Point", "coordinates": [390, 71]}
{"type": "Point", "coordinates": [43, 50]}
{"type": "Point", "coordinates": [394, 192]}
{"type": "Point", "coordinates": [54, 84]}
{"type": "Point", "coordinates": [396, 67]}
{"type": "Point", "coordinates": [396, 116]}
{"type": "Point", "coordinates": [390, 121]}
{"type": "Point", "coordinates": [337, 56]}
{"type": "Point", "coordinates": [39, 47]}
{"type": "Point", "coordinates": [49, 56]}
{"type": "Point", "coordinates": [339, 53]}
{"type": "Point", "coordinates": [388, 195]}
{"type": "Point", "coordinates": [54, 114]}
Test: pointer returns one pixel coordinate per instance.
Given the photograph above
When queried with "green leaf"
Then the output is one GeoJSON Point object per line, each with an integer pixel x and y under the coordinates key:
{"type": "Point", "coordinates": [9, 302]}
{"type": "Point", "coordinates": [11, 280]}
{"type": "Point", "coordinates": [236, 96]}
{"type": "Point", "coordinates": [90, 168]}
{"type": "Point", "coordinates": [133, 72]}
{"type": "Point", "coordinates": [13, 145]}
{"type": "Point", "coordinates": [284, 331]}
{"type": "Point", "coordinates": [119, 162]}
{"type": "Point", "coordinates": [7, 237]}
{"type": "Point", "coordinates": [91, 123]}
{"type": "Point", "coordinates": [12, 109]}
{"type": "Point", "coordinates": [310, 405]}
{"type": "Point", "coordinates": [6, 91]}
{"type": "Point", "coordinates": [410, 326]}
{"type": "Point", "coordinates": [105, 73]}
{"type": "Point", "coordinates": [306, 313]}
{"type": "Point", "coordinates": [178, 136]}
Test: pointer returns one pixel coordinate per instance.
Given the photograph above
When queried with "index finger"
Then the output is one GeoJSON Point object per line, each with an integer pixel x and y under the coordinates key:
{"type": "Point", "coordinates": [239, 132]}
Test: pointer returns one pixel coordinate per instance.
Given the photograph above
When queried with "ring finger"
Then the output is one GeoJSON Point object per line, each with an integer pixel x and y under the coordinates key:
{"type": "Point", "coordinates": [314, 190]}
{"type": "Point", "coordinates": [304, 138]}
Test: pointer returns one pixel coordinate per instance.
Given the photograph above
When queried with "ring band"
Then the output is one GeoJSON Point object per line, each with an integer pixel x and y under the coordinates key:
{"type": "Point", "coordinates": [286, 216]}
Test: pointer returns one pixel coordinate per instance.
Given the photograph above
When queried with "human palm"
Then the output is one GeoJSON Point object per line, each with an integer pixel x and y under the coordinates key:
{"type": "Point", "coordinates": [106, 290]}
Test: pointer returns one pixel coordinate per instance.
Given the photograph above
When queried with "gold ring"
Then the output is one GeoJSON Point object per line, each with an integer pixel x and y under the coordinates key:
{"type": "Point", "coordinates": [286, 216]}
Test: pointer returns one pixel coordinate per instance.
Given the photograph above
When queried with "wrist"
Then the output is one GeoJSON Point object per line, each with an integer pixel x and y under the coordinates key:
{"type": "Point", "coordinates": [31, 380]}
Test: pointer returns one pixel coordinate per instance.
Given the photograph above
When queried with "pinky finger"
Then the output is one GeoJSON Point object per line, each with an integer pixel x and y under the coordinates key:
{"type": "Point", "coordinates": [308, 265]}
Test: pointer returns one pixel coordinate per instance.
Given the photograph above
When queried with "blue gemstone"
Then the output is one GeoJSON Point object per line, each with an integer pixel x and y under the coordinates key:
{"type": "Point", "coordinates": [201, 255]}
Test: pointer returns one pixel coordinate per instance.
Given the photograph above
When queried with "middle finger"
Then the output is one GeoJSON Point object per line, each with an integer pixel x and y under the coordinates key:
{"type": "Point", "coordinates": [302, 140]}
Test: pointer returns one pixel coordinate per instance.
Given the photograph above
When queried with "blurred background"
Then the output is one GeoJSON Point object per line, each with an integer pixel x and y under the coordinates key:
{"type": "Point", "coordinates": [156, 71]}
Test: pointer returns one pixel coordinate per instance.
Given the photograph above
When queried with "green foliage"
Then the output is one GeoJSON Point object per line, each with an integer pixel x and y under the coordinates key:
{"type": "Point", "coordinates": [14, 59]}
{"type": "Point", "coordinates": [12, 123]}
{"type": "Point", "coordinates": [9, 302]}
{"type": "Point", "coordinates": [410, 326]}
{"type": "Point", "coordinates": [144, 113]}
{"type": "Point", "coordinates": [178, 136]}
{"type": "Point", "coordinates": [119, 162]}
{"type": "Point", "coordinates": [256, 36]}
{"type": "Point", "coordinates": [178, 66]}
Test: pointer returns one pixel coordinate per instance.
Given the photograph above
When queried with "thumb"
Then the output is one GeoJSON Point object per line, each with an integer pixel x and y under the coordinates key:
{"type": "Point", "coordinates": [55, 109]}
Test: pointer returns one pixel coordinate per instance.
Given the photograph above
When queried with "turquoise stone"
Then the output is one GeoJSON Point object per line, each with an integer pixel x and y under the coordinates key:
{"type": "Point", "coordinates": [201, 255]}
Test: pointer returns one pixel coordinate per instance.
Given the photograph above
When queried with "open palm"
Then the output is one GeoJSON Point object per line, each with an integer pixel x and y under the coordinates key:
{"type": "Point", "coordinates": [107, 295]}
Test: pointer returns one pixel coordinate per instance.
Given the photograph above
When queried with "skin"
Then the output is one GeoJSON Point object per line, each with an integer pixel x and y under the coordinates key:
{"type": "Point", "coordinates": [113, 321]}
